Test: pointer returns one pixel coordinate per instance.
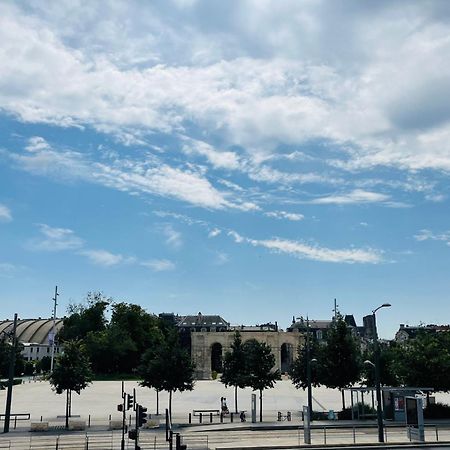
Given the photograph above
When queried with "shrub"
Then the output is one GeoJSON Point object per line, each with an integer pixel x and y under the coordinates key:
{"type": "Point", "coordinates": [437, 411]}
{"type": "Point", "coordinates": [364, 409]}
{"type": "Point", "coordinates": [214, 375]}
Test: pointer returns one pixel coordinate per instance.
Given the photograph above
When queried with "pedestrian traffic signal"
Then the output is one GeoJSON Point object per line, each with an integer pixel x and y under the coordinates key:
{"type": "Point", "coordinates": [130, 401]}
{"type": "Point", "coordinates": [132, 434]}
{"type": "Point", "coordinates": [120, 407]}
{"type": "Point", "coordinates": [141, 416]}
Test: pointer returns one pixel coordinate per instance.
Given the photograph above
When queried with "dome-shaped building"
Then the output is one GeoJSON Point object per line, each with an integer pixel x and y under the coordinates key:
{"type": "Point", "coordinates": [36, 336]}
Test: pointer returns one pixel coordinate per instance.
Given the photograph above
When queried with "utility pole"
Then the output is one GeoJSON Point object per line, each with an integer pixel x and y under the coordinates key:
{"type": "Point", "coordinates": [12, 362]}
{"type": "Point", "coordinates": [335, 309]}
{"type": "Point", "coordinates": [308, 368]}
{"type": "Point", "coordinates": [54, 329]}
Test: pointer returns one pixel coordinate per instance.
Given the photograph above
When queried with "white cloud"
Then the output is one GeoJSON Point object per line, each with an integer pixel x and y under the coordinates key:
{"type": "Point", "coordinates": [5, 214]}
{"type": "Point", "coordinates": [7, 270]}
{"type": "Point", "coordinates": [103, 257]}
{"type": "Point", "coordinates": [316, 253]}
{"type": "Point", "coordinates": [219, 159]}
{"type": "Point", "coordinates": [215, 232]}
{"type": "Point", "coordinates": [132, 176]}
{"type": "Point", "coordinates": [285, 215]}
{"type": "Point", "coordinates": [428, 235]}
{"type": "Point", "coordinates": [221, 258]}
{"type": "Point", "coordinates": [55, 239]}
{"type": "Point", "coordinates": [356, 196]}
{"type": "Point", "coordinates": [174, 238]}
{"type": "Point", "coordinates": [159, 265]}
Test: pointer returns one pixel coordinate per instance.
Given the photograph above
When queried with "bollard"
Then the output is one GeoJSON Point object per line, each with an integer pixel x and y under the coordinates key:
{"type": "Point", "coordinates": [177, 441]}
{"type": "Point", "coordinates": [221, 417]}
{"type": "Point", "coordinates": [279, 416]}
{"type": "Point", "coordinates": [15, 422]}
{"type": "Point", "coordinates": [200, 418]}
{"type": "Point", "coordinates": [210, 417]}
{"type": "Point", "coordinates": [289, 416]}
{"type": "Point", "coordinates": [436, 430]}
{"type": "Point", "coordinates": [231, 417]}
{"type": "Point", "coordinates": [354, 436]}
{"type": "Point", "coordinates": [41, 418]}
{"type": "Point", "coordinates": [324, 435]}
{"type": "Point", "coordinates": [89, 421]}
{"type": "Point", "coordinates": [109, 417]}
{"type": "Point", "coordinates": [190, 418]}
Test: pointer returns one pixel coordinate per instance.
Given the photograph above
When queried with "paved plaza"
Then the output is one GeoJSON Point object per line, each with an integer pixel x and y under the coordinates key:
{"type": "Point", "coordinates": [100, 400]}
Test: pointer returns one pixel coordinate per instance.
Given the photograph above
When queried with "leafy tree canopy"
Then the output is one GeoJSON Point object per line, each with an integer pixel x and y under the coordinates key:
{"type": "Point", "coordinates": [341, 356]}
{"type": "Point", "coordinates": [85, 318]}
{"type": "Point", "coordinates": [260, 361]}
{"type": "Point", "coordinates": [72, 369]}
{"type": "Point", "coordinates": [425, 361]}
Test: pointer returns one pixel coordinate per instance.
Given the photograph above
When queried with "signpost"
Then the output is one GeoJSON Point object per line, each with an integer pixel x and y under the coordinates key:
{"type": "Point", "coordinates": [414, 419]}
{"type": "Point", "coordinates": [306, 425]}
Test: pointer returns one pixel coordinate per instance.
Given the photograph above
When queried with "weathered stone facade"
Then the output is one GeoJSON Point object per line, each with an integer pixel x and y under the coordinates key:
{"type": "Point", "coordinates": [207, 346]}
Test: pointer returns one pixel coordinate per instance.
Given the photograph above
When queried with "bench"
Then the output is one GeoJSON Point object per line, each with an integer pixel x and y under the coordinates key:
{"type": "Point", "coordinates": [18, 416]}
{"type": "Point", "coordinates": [39, 426]}
{"type": "Point", "coordinates": [77, 425]}
{"type": "Point", "coordinates": [115, 425]}
{"type": "Point", "coordinates": [197, 412]}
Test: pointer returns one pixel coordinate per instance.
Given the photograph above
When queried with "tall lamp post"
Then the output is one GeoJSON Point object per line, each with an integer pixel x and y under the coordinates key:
{"type": "Point", "coordinates": [377, 372]}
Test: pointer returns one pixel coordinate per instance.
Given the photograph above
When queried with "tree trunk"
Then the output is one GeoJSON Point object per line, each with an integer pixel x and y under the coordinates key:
{"type": "Point", "coordinates": [67, 408]}
{"type": "Point", "coordinates": [343, 399]}
{"type": "Point", "coordinates": [70, 403]}
{"type": "Point", "coordinates": [235, 399]}
{"type": "Point", "coordinates": [157, 402]}
{"type": "Point", "coordinates": [170, 407]}
{"type": "Point", "coordinates": [260, 405]}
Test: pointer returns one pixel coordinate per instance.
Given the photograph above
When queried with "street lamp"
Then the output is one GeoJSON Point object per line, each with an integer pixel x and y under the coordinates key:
{"type": "Point", "coordinates": [377, 372]}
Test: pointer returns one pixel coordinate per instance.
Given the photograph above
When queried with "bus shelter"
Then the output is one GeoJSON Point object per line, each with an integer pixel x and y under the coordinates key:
{"type": "Point", "coordinates": [363, 401]}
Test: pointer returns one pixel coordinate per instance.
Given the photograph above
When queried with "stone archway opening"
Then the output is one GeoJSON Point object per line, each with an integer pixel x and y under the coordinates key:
{"type": "Point", "coordinates": [287, 357]}
{"type": "Point", "coordinates": [216, 357]}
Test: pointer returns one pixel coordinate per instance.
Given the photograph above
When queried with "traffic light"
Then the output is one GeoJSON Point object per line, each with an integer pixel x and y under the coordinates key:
{"type": "Point", "coordinates": [130, 401]}
{"type": "Point", "coordinates": [132, 434]}
{"type": "Point", "coordinates": [141, 416]}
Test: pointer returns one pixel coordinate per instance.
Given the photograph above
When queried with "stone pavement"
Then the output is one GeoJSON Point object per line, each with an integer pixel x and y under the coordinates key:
{"type": "Point", "coordinates": [100, 400]}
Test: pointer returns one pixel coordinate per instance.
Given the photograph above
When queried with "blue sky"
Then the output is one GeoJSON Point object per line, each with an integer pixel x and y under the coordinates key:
{"type": "Point", "coordinates": [255, 159]}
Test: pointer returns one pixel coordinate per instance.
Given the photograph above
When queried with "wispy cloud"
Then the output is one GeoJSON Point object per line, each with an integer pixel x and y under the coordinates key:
{"type": "Point", "coordinates": [105, 258]}
{"type": "Point", "coordinates": [145, 177]}
{"type": "Point", "coordinates": [215, 232]}
{"type": "Point", "coordinates": [55, 239]}
{"type": "Point", "coordinates": [354, 197]}
{"type": "Point", "coordinates": [285, 215]}
{"type": "Point", "coordinates": [159, 265]}
{"type": "Point", "coordinates": [173, 237]}
{"type": "Point", "coordinates": [428, 235]}
{"type": "Point", "coordinates": [5, 214]}
{"type": "Point", "coordinates": [7, 270]}
{"type": "Point", "coordinates": [302, 250]}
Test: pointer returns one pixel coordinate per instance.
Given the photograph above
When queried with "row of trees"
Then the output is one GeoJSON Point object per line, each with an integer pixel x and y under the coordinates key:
{"type": "Point", "coordinates": [339, 363]}
{"type": "Point", "coordinates": [249, 365]}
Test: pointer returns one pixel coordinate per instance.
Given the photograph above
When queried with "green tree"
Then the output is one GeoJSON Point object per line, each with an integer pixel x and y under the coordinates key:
{"type": "Point", "coordinates": [298, 369]}
{"type": "Point", "coordinates": [259, 369]}
{"type": "Point", "coordinates": [388, 373]}
{"type": "Point", "coordinates": [85, 318]}
{"type": "Point", "coordinates": [233, 373]}
{"type": "Point", "coordinates": [43, 365]}
{"type": "Point", "coordinates": [425, 361]}
{"type": "Point", "coordinates": [341, 357]}
{"type": "Point", "coordinates": [133, 331]}
{"type": "Point", "coordinates": [5, 357]}
{"type": "Point", "coordinates": [166, 366]}
{"type": "Point", "coordinates": [72, 372]}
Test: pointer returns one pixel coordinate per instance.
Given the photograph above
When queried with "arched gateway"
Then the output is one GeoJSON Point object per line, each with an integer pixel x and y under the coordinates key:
{"type": "Point", "coordinates": [209, 347]}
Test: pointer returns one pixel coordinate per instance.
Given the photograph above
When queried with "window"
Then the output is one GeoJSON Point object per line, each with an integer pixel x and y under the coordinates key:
{"type": "Point", "coordinates": [319, 335]}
